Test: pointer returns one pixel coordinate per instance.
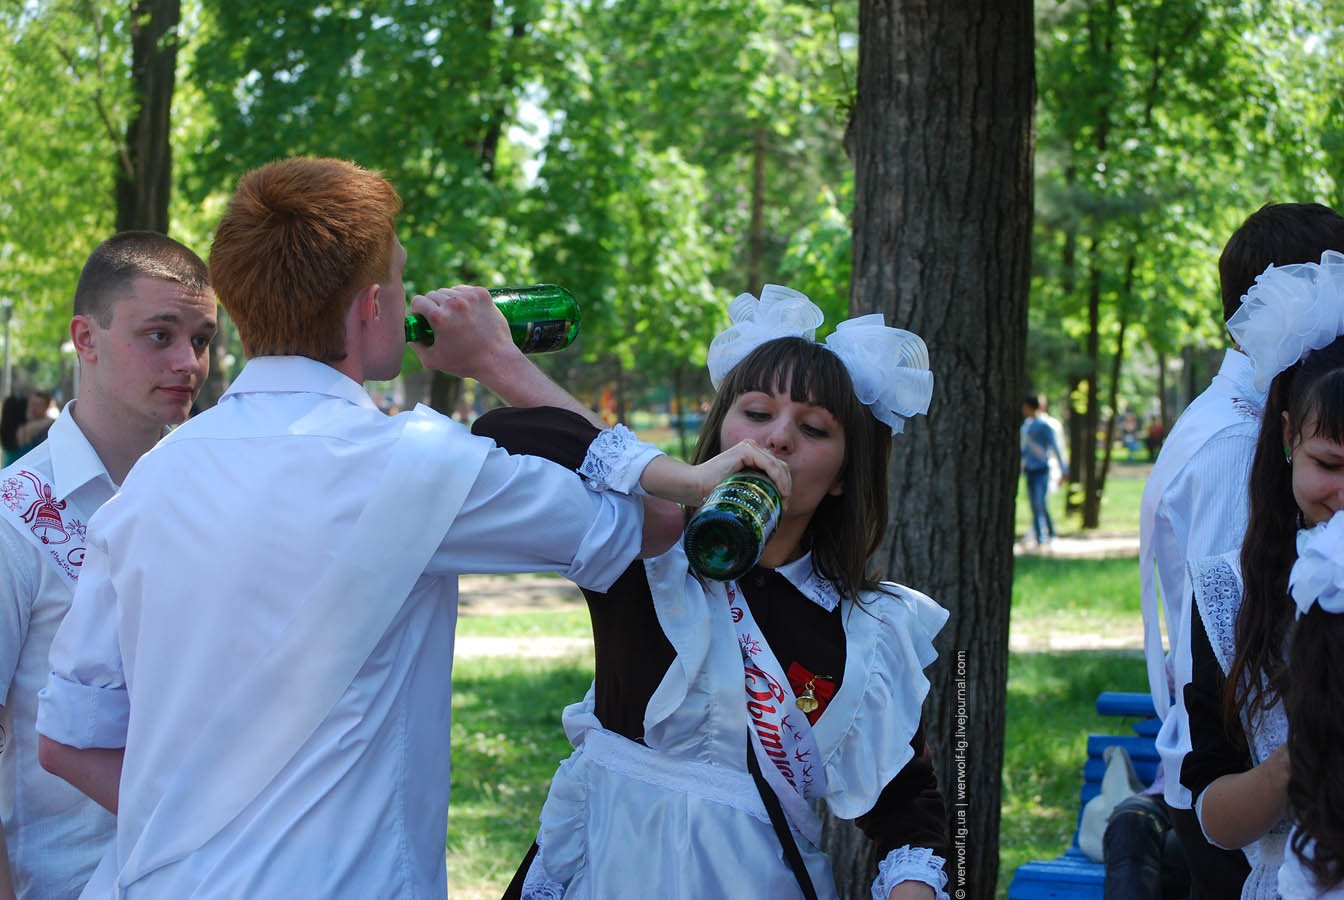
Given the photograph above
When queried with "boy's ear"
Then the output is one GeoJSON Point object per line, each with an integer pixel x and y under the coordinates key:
{"type": "Point", "coordinates": [84, 335]}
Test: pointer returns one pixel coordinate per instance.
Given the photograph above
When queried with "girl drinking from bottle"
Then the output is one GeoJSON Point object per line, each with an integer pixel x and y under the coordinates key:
{"type": "Point", "coordinates": [1238, 766]}
{"type": "Point", "coordinates": [720, 710]}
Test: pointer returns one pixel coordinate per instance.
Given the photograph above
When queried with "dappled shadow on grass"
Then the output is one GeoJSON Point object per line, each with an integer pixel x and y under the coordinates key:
{"type": "Point", "coordinates": [1050, 711]}
{"type": "Point", "coordinates": [507, 741]}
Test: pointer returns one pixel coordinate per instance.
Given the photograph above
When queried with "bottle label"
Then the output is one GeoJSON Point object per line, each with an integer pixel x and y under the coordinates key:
{"type": "Point", "coordinates": [753, 501]}
{"type": "Point", "coordinates": [545, 335]}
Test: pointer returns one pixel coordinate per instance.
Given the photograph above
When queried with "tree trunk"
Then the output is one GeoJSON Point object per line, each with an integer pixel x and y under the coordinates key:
{"type": "Point", "coordinates": [942, 229]}
{"type": "Point", "coordinates": [1117, 366]}
{"type": "Point", "coordinates": [756, 241]}
{"type": "Point", "coordinates": [1092, 415]}
{"type": "Point", "coordinates": [143, 191]}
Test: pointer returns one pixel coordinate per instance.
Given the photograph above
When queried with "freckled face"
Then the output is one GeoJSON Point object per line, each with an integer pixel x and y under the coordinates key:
{"type": "Point", "coordinates": [806, 437]}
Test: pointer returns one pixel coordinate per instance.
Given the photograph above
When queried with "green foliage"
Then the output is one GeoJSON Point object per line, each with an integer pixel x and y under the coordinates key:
{"type": "Point", "coordinates": [63, 89]}
{"type": "Point", "coordinates": [1162, 126]}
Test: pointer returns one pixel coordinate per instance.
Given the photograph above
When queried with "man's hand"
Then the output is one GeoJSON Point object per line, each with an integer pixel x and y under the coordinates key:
{"type": "Point", "coordinates": [471, 335]}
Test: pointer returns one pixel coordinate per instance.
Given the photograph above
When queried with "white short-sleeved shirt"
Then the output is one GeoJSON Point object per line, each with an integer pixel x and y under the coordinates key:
{"type": "Point", "coordinates": [55, 834]}
{"type": "Point", "coordinates": [1194, 505]}
{"type": "Point", "coordinates": [220, 540]}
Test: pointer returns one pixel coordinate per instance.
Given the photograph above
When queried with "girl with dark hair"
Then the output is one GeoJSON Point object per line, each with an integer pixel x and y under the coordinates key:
{"type": "Point", "coordinates": [721, 710]}
{"type": "Point", "coordinates": [1238, 631]}
{"type": "Point", "coordinates": [1314, 700]}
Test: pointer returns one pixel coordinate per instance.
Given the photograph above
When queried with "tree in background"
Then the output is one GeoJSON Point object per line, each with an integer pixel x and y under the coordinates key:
{"type": "Point", "coordinates": [145, 171]}
{"type": "Point", "coordinates": [942, 225]}
{"type": "Point", "coordinates": [1162, 126]}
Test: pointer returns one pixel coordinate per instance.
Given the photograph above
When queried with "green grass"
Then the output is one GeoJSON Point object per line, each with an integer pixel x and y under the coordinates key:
{"type": "Point", "coordinates": [1119, 503]}
{"type": "Point", "coordinates": [507, 741]}
{"type": "Point", "coordinates": [1050, 712]}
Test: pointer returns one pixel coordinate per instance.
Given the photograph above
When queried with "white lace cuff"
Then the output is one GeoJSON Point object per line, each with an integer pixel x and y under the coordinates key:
{"type": "Point", "coordinates": [616, 458]}
{"type": "Point", "coordinates": [910, 864]}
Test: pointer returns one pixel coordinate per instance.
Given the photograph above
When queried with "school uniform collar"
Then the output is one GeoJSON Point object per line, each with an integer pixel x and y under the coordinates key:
{"type": "Point", "coordinates": [810, 583]}
{"type": "Point", "coordinates": [297, 374]}
{"type": "Point", "coordinates": [1238, 369]}
{"type": "Point", "coordinates": [74, 462]}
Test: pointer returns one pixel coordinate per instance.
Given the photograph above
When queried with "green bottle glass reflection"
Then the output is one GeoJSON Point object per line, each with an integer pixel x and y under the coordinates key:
{"type": "Point", "coordinates": [542, 318]}
{"type": "Point", "coordinates": [726, 536]}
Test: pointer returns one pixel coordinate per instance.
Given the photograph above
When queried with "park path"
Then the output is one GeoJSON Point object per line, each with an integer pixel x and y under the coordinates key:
{"type": "Point", "coordinates": [494, 595]}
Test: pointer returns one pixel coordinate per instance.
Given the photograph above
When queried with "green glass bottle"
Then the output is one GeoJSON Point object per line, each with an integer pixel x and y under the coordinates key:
{"type": "Point", "coordinates": [726, 536]}
{"type": "Point", "coordinates": [542, 318]}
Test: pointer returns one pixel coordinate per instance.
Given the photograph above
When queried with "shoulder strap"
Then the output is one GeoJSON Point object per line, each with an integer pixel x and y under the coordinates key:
{"type": "Point", "coordinates": [792, 854]}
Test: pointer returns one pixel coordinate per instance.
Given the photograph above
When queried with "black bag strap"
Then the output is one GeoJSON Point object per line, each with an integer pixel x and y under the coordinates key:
{"type": "Point", "coordinates": [792, 854]}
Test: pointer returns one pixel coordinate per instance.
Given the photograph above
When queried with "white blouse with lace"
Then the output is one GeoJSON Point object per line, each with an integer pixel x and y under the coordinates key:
{"type": "Point", "coordinates": [625, 819]}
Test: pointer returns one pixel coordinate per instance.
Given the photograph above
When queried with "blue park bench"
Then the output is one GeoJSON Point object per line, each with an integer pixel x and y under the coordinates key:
{"type": "Point", "coordinates": [1073, 875]}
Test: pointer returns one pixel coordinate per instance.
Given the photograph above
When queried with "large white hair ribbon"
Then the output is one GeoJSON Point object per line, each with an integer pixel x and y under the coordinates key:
{"type": "Point", "coordinates": [1288, 312]}
{"type": "Point", "coordinates": [1318, 575]}
{"type": "Point", "coordinates": [889, 366]}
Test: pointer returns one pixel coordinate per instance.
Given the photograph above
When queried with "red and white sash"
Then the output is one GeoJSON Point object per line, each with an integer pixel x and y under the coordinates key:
{"type": "Point", "coordinates": [781, 736]}
{"type": "Point", "coordinates": [30, 505]}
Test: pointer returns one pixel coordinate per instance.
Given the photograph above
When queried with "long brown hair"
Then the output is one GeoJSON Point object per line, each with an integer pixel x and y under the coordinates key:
{"type": "Point", "coordinates": [845, 530]}
{"type": "Point", "coordinates": [1314, 702]}
{"type": "Point", "coordinates": [1312, 394]}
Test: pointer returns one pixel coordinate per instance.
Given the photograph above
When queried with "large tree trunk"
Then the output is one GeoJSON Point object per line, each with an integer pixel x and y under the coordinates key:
{"type": "Point", "coordinates": [143, 191]}
{"type": "Point", "coordinates": [942, 229]}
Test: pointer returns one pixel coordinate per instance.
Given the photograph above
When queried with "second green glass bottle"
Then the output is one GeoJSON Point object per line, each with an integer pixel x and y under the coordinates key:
{"type": "Point", "coordinates": [541, 317]}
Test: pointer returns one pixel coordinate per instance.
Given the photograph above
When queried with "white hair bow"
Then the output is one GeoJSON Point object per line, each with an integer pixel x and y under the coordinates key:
{"type": "Point", "coordinates": [1318, 575]}
{"type": "Point", "coordinates": [889, 366]}
{"type": "Point", "coordinates": [1288, 312]}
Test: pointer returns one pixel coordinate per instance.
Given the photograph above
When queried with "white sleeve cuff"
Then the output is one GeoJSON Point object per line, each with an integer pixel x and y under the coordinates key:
{"type": "Point", "coordinates": [615, 460]}
{"type": "Point", "coordinates": [83, 716]}
{"type": "Point", "coordinates": [910, 864]}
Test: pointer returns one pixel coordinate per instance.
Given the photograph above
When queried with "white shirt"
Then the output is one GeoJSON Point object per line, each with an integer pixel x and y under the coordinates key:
{"type": "Point", "coordinates": [1194, 505]}
{"type": "Point", "coordinates": [216, 603]}
{"type": "Point", "coordinates": [55, 833]}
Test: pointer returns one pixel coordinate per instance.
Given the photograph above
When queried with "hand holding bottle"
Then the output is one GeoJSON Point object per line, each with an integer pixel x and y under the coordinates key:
{"type": "Point", "coordinates": [472, 338]}
{"type": "Point", "coordinates": [672, 479]}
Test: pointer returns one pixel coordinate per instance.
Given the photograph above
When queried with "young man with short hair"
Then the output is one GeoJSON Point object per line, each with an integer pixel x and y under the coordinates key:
{"type": "Point", "coordinates": [255, 673]}
{"type": "Point", "coordinates": [143, 319]}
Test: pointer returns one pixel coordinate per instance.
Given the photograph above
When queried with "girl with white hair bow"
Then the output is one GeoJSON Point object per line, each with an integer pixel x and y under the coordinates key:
{"type": "Point", "coordinates": [1240, 769]}
{"type": "Point", "coordinates": [721, 710]}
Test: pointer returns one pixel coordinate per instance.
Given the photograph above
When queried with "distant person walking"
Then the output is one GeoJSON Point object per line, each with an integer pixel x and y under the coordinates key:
{"type": "Point", "coordinates": [1039, 447]}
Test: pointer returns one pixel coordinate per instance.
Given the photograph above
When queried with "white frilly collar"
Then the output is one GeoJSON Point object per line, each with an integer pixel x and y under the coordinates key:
{"type": "Point", "coordinates": [810, 583]}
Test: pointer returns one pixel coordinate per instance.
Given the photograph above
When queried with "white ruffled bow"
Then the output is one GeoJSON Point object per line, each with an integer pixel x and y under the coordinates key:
{"type": "Point", "coordinates": [1288, 312]}
{"type": "Point", "coordinates": [1318, 575]}
{"type": "Point", "coordinates": [889, 366]}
